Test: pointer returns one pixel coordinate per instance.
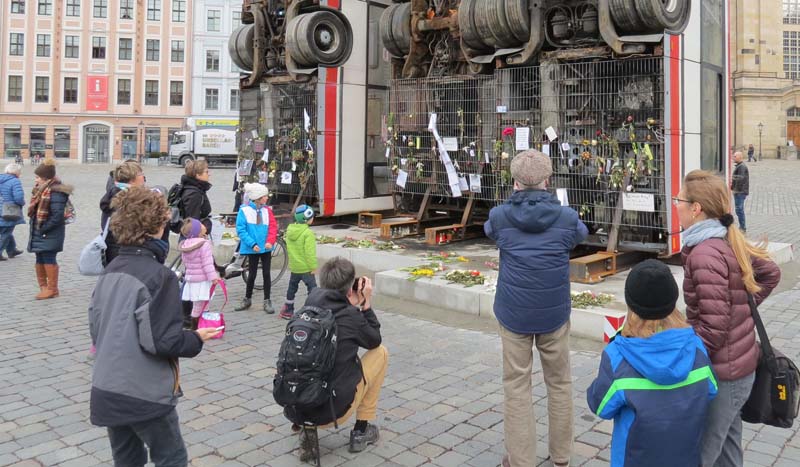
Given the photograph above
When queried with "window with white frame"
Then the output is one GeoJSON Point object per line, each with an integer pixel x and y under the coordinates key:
{"type": "Point", "coordinates": [153, 10]}
{"type": "Point", "coordinates": [213, 20]}
{"type": "Point", "coordinates": [16, 45]}
{"type": "Point", "coordinates": [73, 8]}
{"type": "Point", "coordinates": [151, 92]}
{"type": "Point", "coordinates": [18, 7]}
{"type": "Point", "coordinates": [791, 54]}
{"type": "Point", "coordinates": [126, 9]}
{"type": "Point", "coordinates": [212, 60]}
{"type": "Point", "coordinates": [98, 47]}
{"type": "Point", "coordinates": [15, 88]}
{"type": "Point", "coordinates": [42, 89]}
{"type": "Point", "coordinates": [46, 7]}
{"type": "Point", "coordinates": [43, 45]}
{"type": "Point", "coordinates": [178, 51]}
{"type": "Point", "coordinates": [71, 47]}
{"type": "Point", "coordinates": [70, 90]}
{"type": "Point", "coordinates": [176, 93]}
{"type": "Point", "coordinates": [153, 47]}
{"type": "Point", "coordinates": [123, 92]}
{"type": "Point", "coordinates": [236, 19]}
{"type": "Point", "coordinates": [234, 99]}
{"type": "Point", "coordinates": [212, 99]}
{"type": "Point", "coordinates": [126, 48]}
{"type": "Point", "coordinates": [178, 11]}
{"type": "Point", "coordinates": [100, 9]}
{"type": "Point", "coordinates": [791, 11]}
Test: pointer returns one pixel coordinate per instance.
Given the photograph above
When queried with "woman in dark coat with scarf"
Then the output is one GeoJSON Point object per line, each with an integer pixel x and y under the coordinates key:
{"type": "Point", "coordinates": [194, 196]}
{"type": "Point", "coordinates": [46, 212]}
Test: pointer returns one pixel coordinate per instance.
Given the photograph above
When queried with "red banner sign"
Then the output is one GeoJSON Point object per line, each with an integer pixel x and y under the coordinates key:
{"type": "Point", "coordinates": [97, 93]}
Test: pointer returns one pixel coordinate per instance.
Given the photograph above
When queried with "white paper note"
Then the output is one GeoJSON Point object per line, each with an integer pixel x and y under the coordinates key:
{"type": "Point", "coordinates": [432, 122]}
{"type": "Point", "coordinates": [501, 109]}
{"type": "Point", "coordinates": [546, 149]}
{"type": "Point", "coordinates": [286, 178]}
{"type": "Point", "coordinates": [450, 144]}
{"type": "Point", "coordinates": [471, 153]}
{"type": "Point", "coordinates": [307, 120]}
{"type": "Point", "coordinates": [245, 166]}
{"type": "Point", "coordinates": [263, 177]}
{"type": "Point", "coordinates": [388, 152]}
{"type": "Point", "coordinates": [403, 161]}
{"type": "Point", "coordinates": [294, 167]}
{"type": "Point", "coordinates": [523, 136]}
{"type": "Point", "coordinates": [265, 157]}
{"type": "Point", "coordinates": [551, 133]}
{"type": "Point", "coordinates": [402, 177]}
{"type": "Point", "coordinates": [462, 183]}
{"type": "Point", "coordinates": [561, 193]}
{"type": "Point", "coordinates": [643, 202]}
{"type": "Point", "coordinates": [475, 183]}
{"type": "Point", "coordinates": [456, 190]}
{"type": "Point", "coordinates": [254, 133]}
{"type": "Point", "coordinates": [565, 147]}
{"type": "Point", "coordinates": [271, 133]}
{"type": "Point", "coordinates": [486, 157]}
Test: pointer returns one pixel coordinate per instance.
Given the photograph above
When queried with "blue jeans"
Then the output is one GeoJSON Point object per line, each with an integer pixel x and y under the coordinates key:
{"type": "Point", "coordinates": [47, 257]}
{"type": "Point", "coordinates": [7, 242]}
{"type": "Point", "coordinates": [294, 283]}
{"type": "Point", "coordinates": [738, 199]}
{"type": "Point", "coordinates": [162, 435]}
{"type": "Point", "coordinates": [722, 440]}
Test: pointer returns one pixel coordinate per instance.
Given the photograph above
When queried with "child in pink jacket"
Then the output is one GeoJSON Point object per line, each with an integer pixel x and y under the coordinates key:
{"type": "Point", "coordinates": [198, 259]}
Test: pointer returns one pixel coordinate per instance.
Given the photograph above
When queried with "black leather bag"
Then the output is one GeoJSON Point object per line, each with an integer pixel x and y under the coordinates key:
{"type": "Point", "coordinates": [775, 396]}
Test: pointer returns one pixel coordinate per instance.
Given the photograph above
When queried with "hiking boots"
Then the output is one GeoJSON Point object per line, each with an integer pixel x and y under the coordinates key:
{"type": "Point", "coordinates": [309, 444]}
{"type": "Point", "coordinates": [268, 309]}
{"type": "Point", "coordinates": [245, 304]}
{"type": "Point", "coordinates": [359, 440]}
{"type": "Point", "coordinates": [287, 311]}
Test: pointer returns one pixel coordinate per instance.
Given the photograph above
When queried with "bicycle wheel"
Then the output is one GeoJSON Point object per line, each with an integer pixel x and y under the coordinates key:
{"type": "Point", "coordinates": [176, 266]}
{"type": "Point", "coordinates": [278, 265]}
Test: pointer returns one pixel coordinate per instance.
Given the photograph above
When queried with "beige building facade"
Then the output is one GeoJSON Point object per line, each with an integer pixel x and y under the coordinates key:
{"type": "Point", "coordinates": [765, 75]}
{"type": "Point", "coordinates": [93, 80]}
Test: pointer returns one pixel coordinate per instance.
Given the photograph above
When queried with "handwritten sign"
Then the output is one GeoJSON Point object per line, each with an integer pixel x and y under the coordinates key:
{"type": "Point", "coordinates": [642, 202]}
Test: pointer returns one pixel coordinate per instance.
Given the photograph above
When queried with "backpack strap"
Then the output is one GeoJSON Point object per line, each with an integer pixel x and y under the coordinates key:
{"type": "Point", "coordinates": [105, 229]}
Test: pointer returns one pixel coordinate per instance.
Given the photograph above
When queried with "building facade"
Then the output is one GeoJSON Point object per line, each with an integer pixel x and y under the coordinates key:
{"type": "Point", "coordinates": [765, 75]}
{"type": "Point", "coordinates": [94, 80]}
{"type": "Point", "coordinates": [215, 78]}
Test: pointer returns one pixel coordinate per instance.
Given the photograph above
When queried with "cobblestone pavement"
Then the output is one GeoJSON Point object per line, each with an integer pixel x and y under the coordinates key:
{"type": "Point", "coordinates": [773, 207]}
{"type": "Point", "coordinates": [441, 404]}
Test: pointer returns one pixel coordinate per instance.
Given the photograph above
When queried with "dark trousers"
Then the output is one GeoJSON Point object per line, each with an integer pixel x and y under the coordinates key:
{"type": "Point", "coordinates": [163, 437]}
{"type": "Point", "coordinates": [252, 270]}
{"type": "Point", "coordinates": [738, 199]}
{"type": "Point", "coordinates": [46, 257]}
{"type": "Point", "coordinates": [751, 156]}
{"type": "Point", "coordinates": [294, 283]}
{"type": "Point", "coordinates": [7, 241]}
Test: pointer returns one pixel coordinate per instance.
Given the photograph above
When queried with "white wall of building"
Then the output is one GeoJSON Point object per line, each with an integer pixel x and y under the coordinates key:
{"type": "Point", "coordinates": [207, 40]}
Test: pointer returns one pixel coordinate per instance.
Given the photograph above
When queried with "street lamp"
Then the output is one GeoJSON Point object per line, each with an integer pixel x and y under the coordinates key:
{"type": "Point", "coordinates": [760, 131]}
{"type": "Point", "coordinates": [140, 148]}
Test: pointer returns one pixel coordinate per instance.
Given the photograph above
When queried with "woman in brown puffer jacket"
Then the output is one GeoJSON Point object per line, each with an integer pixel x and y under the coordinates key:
{"type": "Point", "coordinates": [721, 269]}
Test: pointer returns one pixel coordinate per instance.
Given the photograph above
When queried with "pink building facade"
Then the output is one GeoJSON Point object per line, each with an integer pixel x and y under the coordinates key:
{"type": "Point", "coordinates": [93, 80]}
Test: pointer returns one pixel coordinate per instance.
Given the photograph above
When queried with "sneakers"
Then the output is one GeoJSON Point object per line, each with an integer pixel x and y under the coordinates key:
{"type": "Point", "coordinates": [309, 442]}
{"type": "Point", "coordinates": [359, 440]}
{"type": "Point", "coordinates": [245, 304]}
{"type": "Point", "coordinates": [268, 309]}
{"type": "Point", "coordinates": [287, 311]}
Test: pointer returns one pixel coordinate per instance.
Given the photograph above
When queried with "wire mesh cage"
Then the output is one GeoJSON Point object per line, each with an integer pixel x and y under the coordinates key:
{"type": "Point", "coordinates": [601, 122]}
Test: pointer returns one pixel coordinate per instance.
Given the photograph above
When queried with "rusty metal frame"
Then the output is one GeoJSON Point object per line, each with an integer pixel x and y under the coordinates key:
{"type": "Point", "coordinates": [536, 41]}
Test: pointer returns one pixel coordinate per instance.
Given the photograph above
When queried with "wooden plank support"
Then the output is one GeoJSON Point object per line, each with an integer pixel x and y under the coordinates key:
{"type": "Point", "coordinates": [594, 268]}
{"type": "Point", "coordinates": [370, 220]}
{"type": "Point", "coordinates": [395, 230]}
{"type": "Point", "coordinates": [452, 233]}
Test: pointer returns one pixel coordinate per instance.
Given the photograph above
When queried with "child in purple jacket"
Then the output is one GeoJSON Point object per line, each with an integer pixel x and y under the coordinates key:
{"type": "Point", "coordinates": [198, 259]}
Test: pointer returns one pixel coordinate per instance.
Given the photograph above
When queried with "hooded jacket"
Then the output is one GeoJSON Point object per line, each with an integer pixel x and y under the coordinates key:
{"type": "Point", "coordinates": [198, 258]}
{"type": "Point", "coordinates": [717, 306]}
{"type": "Point", "coordinates": [301, 245]}
{"type": "Point", "coordinates": [194, 200]}
{"type": "Point", "coordinates": [11, 192]}
{"type": "Point", "coordinates": [253, 234]}
{"type": "Point", "coordinates": [136, 322]}
{"type": "Point", "coordinates": [657, 390]}
{"type": "Point", "coordinates": [112, 249]}
{"type": "Point", "coordinates": [50, 236]}
{"type": "Point", "coordinates": [535, 235]}
{"type": "Point", "coordinates": [354, 329]}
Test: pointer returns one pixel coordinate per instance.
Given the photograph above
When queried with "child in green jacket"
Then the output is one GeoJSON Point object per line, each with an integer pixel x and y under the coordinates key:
{"type": "Point", "coordinates": [301, 244]}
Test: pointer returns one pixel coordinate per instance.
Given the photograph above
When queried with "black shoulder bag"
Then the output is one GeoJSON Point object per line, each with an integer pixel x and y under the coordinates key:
{"type": "Point", "coordinates": [774, 398]}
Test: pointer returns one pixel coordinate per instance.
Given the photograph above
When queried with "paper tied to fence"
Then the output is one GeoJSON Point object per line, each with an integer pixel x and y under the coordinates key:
{"type": "Point", "coordinates": [286, 178]}
{"type": "Point", "coordinates": [402, 178]}
{"type": "Point", "coordinates": [642, 202]}
{"type": "Point", "coordinates": [452, 175]}
{"type": "Point", "coordinates": [551, 134]}
{"type": "Point", "coordinates": [523, 138]}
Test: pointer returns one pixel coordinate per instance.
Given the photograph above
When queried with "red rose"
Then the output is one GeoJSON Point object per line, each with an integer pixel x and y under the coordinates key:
{"type": "Point", "coordinates": [508, 132]}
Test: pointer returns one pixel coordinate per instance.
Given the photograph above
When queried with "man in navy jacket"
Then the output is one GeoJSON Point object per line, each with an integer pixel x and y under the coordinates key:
{"type": "Point", "coordinates": [532, 304]}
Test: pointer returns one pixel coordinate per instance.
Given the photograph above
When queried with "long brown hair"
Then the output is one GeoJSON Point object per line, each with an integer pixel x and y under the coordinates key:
{"type": "Point", "coordinates": [644, 328]}
{"type": "Point", "coordinates": [713, 195]}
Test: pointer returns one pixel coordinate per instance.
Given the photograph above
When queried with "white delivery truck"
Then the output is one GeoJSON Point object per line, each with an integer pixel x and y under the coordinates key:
{"type": "Point", "coordinates": [214, 145]}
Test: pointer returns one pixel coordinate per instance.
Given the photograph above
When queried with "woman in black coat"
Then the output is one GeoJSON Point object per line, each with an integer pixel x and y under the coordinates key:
{"type": "Point", "coordinates": [194, 195]}
{"type": "Point", "coordinates": [46, 212]}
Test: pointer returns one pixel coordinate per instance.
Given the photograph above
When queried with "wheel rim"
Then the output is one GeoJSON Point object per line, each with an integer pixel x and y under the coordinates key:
{"type": "Point", "coordinates": [325, 39]}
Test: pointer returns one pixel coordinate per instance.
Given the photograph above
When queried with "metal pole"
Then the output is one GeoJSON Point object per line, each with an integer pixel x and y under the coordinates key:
{"type": "Point", "coordinates": [759, 143]}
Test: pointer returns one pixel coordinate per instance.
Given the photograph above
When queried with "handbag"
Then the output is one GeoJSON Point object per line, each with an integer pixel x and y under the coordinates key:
{"type": "Point", "coordinates": [93, 256]}
{"type": "Point", "coordinates": [12, 212]}
{"type": "Point", "coordinates": [211, 319]}
{"type": "Point", "coordinates": [776, 390]}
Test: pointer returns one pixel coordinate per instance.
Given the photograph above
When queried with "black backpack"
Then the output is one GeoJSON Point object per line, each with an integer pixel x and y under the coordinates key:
{"type": "Point", "coordinates": [175, 202]}
{"type": "Point", "coordinates": [305, 364]}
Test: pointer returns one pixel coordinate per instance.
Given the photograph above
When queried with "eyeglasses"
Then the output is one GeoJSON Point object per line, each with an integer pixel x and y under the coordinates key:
{"type": "Point", "coordinates": [676, 201]}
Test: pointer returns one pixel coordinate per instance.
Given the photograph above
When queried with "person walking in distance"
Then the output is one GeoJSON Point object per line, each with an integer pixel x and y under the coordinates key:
{"type": "Point", "coordinates": [534, 234]}
{"type": "Point", "coordinates": [301, 245]}
{"type": "Point", "coordinates": [722, 269]}
{"type": "Point", "coordinates": [11, 192]}
{"type": "Point", "coordinates": [48, 226]}
{"type": "Point", "coordinates": [740, 185]}
{"type": "Point", "coordinates": [135, 318]}
{"type": "Point", "coordinates": [751, 151]}
{"type": "Point", "coordinates": [258, 232]}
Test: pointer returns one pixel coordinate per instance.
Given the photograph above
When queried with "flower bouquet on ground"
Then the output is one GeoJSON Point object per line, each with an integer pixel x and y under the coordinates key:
{"type": "Point", "coordinates": [350, 242]}
{"type": "Point", "coordinates": [327, 240]}
{"type": "Point", "coordinates": [588, 299]}
{"type": "Point", "coordinates": [388, 246]}
{"type": "Point", "coordinates": [465, 278]}
{"type": "Point", "coordinates": [446, 257]}
{"type": "Point", "coordinates": [423, 271]}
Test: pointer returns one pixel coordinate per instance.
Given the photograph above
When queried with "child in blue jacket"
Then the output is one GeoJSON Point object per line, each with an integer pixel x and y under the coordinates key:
{"type": "Point", "coordinates": [655, 378]}
{"type": "Point", "coordinates": [258, 232]}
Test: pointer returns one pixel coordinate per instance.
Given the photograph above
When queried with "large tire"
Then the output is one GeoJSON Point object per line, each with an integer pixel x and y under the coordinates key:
{"type": "Point", "coordinates": [466, 24]}
{"type": "Point", "coordinates": [385, 26]}
{"type": "Point", "coordinates": [658, 15]}
{"type": "Point", "coordinates": [626, 16]}
{"type": "Point", "coordinates": [501, 31]}
{"type": "Point", "coordinates": [483, 24]}
{"type": "Point", "coordinates": [240, 46]}
{"type": "Point", "coordinates": [319, 39]}
{"type": "Point", "coordinates": [401, 28]}
{"type": "Point", "coordinates": [519, 19]}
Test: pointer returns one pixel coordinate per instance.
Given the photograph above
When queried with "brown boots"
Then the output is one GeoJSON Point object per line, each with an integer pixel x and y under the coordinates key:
{"type": "Point", "coordinates": [47, 276]}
